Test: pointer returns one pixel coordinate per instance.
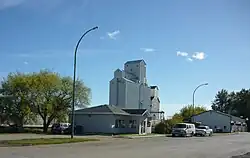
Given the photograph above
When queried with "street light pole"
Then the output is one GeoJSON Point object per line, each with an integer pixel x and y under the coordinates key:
{"type": "Point", "coordinates": [74, 81]}
{"type": "Point", "coordinates": [204, 84]}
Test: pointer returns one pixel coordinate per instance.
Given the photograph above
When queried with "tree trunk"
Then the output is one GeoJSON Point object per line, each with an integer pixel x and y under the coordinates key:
{"type": "Point", "coordinates": [45, 126]}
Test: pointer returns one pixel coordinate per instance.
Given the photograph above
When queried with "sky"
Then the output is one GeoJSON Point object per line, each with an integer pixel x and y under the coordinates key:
{"type": "Point", "coordinates": [184, 43]}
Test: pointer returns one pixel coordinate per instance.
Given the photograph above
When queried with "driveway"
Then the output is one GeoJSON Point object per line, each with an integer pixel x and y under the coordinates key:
{"type": "Point", "coordinates": [159, 147]}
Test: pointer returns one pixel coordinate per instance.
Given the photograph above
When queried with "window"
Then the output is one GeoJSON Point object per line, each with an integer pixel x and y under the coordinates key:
{"type": "Point", "coordinates": [148, 123]}
{"type": "Point", "coordinates": [202, 127]}
{"type": "Point", "coordinates": [132, 123]}
{"type": "Point", "coordinates": [131, 70]}
{"type": "Point", "coordinates": [180, 126]}
{"type": "Point", "coordinates": [119, 124]}
{"type": "Point", "coordinates": [225, 127]}
{"type": "Point", "coordinates": [137, 65]}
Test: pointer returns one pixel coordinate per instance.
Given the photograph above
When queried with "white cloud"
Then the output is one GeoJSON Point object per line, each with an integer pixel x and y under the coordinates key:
{"type": "Point", "coordinates": [9, 3]}
{"type": "Point", "coordinates": [26, 63]}
{"type": "Point", "coordinates": [184, 54]}
{"type": "Point", "coordinates": [113, 35]}
{"type": "Point", "coordinates": [198, 55]}
{"type": "Point", "coordinates": [148, 49]}
{"type": "Point", "coordinates": [189, 59]}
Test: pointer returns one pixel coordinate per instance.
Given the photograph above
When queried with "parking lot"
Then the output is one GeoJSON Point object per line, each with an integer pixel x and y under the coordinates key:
{"type": "Point", "coordinates": [221, 146]}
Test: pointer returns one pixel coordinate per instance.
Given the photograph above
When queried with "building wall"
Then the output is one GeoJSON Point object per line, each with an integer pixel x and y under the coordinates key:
{"type": "Point", "coordinates": [117, 92]}
{"type": "Point", "coordinates": [104, 123]}
{"type": "Point", "coordinates": [95, 123]}
{"type": "Point", "coordinates": [155, 92]}
{"type": "Point", "coordinates": [213, 120]}
{"type": "Point", "coordinates": [132, 90]}
{"type": "Point", "coordinates": [132, 93]}
{"type": "Point", "coordinates": [135, 71]}
{"type": "Point", "coordinates": [145, 97]}
{"type": "Point", "coordinates": [155, 108]}
{"type": "Point", "coordinates": [128, 94]}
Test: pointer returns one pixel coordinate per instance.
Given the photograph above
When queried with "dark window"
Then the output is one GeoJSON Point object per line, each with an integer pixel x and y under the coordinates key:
{"type": "Point", "coordinates": [132, 123]}
{"type": "Point", "coordinates": [201, 127]}
{"type": "Point", "coordinates": [127, 65]}
{"type": "Point", "coordinates": [137, 65]}
{"type": "Point", "coordinates": [130, 69]}
{"type": "Point", "coordinates": [148, 123]}
{"type": "Point", "coordinates": [180, 126]}
{"type": "Point", "coordinates": [89, 115]}
{"type": "Point", "coordinates": [119, 124]}
{"type": "Point", "coordinates": [225, 127]}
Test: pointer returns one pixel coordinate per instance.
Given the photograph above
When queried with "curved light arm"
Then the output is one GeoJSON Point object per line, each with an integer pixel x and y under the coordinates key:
{"type": "Point", "coordinates": [204, 84]}
{"type": "Point", "coordinates": [74, 81]}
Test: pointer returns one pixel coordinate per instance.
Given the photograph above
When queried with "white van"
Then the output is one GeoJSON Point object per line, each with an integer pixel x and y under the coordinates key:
{"type": "Point", "coordinates": [183, 129]}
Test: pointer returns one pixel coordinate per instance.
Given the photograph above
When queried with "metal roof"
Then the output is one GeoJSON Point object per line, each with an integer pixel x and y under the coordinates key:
{"type": "Point", "coordinates": [103, 109]}
{"type": "Point", "coordinates": [135, 61]}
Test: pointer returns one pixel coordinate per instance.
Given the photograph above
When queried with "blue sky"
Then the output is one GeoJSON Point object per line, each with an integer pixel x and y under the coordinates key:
{"type": "Point", "coordinates": [184, 43]}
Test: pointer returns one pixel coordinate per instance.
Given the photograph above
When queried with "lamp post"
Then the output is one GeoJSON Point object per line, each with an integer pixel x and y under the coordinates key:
{"type": "Point", "coordinates": [74, 81]}
{"type": "Point", "coordinates": [204, 84]}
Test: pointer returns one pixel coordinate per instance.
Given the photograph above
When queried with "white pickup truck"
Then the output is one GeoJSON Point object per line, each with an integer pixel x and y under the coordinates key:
{"type": "Point", "coordinates": [203, 131]}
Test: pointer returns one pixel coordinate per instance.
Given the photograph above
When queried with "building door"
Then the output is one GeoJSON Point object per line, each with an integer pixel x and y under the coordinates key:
{"type": "Point", "coordinates": [143, 126]}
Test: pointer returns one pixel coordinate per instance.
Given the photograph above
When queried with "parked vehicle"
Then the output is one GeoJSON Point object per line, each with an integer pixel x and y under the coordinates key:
{"type": "Point", "coordinates": [183, 129]}
{"type": "Point", "coordinates": [218, 130]}
{"type": "Point", "coordinates": [60, 128]}
{"type": "Point", "coordinates": [203, 131]}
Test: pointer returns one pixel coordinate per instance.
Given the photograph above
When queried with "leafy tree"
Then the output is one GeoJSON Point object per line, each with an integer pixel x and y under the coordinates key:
{"type": "Point", "coordinates": [221, 101]}
{"type": "Point", "coordinates": [235, 103]}
{"type": "Point", "coordinates": [187, 111]}
{"type": "Point", "coordinates": [160, 128]}
{"type": "Point", "coordinates": [184, 114]}
{"type": "Point", "coordinates": [51, 96]}
{"type": "Point", "coordinates": [15, 107]}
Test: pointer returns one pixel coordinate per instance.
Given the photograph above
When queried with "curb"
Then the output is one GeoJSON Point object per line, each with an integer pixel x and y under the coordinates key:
{"type": "Point", "coordinates": [138, 137]}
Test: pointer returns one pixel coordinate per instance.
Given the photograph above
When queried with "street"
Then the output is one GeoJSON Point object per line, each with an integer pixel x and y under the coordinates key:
{"type": "Point", "coordinates": [223, 146]}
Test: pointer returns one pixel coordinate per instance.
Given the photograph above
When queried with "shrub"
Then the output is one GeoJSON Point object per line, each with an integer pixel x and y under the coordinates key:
{"type": "Point", "coordinates": [160, 128]}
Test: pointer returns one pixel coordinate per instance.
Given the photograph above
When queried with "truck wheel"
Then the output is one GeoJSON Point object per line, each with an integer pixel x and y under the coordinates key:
{"type": "Point", "coordinates": [192, 134]}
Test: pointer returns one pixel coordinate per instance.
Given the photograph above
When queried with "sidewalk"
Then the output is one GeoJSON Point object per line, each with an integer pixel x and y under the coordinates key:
{"type": "Point", "coordinates": [137, 136]}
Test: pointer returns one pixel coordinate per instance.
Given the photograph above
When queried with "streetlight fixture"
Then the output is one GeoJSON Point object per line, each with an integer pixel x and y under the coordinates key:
{"type": "Point", "coordinates": [74, 81]}
{"type": "Point", "coordinates": [204, 84]}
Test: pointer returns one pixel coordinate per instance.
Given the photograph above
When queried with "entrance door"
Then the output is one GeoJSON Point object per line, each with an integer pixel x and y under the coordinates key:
{"type": "Point", "coordinates": [143, 126]}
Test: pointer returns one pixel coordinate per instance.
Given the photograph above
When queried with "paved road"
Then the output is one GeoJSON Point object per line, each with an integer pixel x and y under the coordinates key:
{"type": "Point", "coordinates": [161, 147]}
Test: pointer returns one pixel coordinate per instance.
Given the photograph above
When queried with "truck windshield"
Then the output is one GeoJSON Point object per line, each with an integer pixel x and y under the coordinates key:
{"type": "Point", "coordinates": [180, 126]}
{"type": "Point", "coordinates": [201, 127]}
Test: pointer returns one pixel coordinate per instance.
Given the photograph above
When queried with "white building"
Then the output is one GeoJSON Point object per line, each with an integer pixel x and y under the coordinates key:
{"type": "Point", "coordinates": [221, 121]}
{"type": "Point", "coordinates": [129, 89]}
{"type": "Point", "coordinates": [155, 103]}
{"type": "Point", "coordinates": [112, 119]}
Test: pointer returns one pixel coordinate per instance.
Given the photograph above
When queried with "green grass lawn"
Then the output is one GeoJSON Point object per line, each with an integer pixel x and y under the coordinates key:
{"type": "Point", "coordinates": [43, 141]}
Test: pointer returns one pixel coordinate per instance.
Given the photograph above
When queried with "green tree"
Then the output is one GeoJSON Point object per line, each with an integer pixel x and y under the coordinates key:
{"type": "Point", "coordinates": [222, 102]}
{"type": "Point", "coordinates": [183, 115]}
{"type": "Point", "coordinates": [235, 103]}
{"type": "Point", "coordinates": [15, 107]}
{"type": "Point", "coordinates": [51, 96]}
{"type": "Point", "coordinates": [187, 111]}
